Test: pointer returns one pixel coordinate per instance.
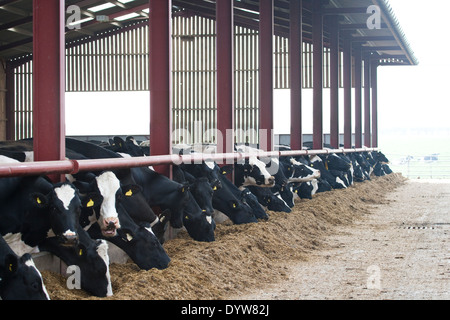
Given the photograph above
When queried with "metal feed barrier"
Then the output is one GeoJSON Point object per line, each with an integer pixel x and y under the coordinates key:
{"type": "Point", "coordinates": [75, 166]}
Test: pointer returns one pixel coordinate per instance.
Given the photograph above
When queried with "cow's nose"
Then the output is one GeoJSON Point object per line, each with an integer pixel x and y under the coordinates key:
{"type": "Point", "coordinates": [271, 180]}
{"type": "Point", "coordinates": [70, 239]}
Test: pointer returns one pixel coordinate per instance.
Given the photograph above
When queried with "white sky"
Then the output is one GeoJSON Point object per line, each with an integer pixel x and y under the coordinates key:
{"type": "Point", "coordinates": [417, 97]}
{"type": "Point", "coordinates": [409, 97]}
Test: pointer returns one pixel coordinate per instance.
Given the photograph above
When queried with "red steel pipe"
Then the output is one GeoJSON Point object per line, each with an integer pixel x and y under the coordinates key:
{"type": "Point", "coordinates": [75, 166]}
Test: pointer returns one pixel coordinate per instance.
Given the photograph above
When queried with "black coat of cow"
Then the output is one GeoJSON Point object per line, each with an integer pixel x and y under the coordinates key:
{"type": "Point", "coordinates": [19, 277]}
{"type": "Point", "coordinates": [35, 210]}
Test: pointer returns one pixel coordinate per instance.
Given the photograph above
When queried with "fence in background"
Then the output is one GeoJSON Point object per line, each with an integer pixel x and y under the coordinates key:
{"type": "Point", "coordinates": [433, 166]}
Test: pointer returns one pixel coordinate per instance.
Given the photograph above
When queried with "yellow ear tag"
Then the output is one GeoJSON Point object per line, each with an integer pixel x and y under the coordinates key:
{"type": "Point", "coordinates": [186, 217]}
{"type": "Point", "coordinates": [296, 191]}
{"type": "Point", "coordinates": [80, 252]}
{"type": "Point", "coordinates": [10, 267]}
{"type": "Point", "coordinates": [203, 210]}
{"type": "Point", "coordinates": [182, 190]}
{"type": "Point", "coordinates": [38, 200]}
{"type": "Point", "coordinates": [90, 203]}
{"type": "Point", "coordinates": [129, 193]}
{"type": "Point", "coordinates": [234, 205]}
{"type": "Point", "coordinates": [326, 165]}
{"type": "Point", "coordinates": [224, 172]}
{"type": "Point", "coordinates": [214, 188]}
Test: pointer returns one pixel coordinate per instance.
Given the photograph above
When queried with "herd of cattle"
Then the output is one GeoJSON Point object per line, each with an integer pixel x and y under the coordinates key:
{"type": "Point", "coordinates": [132, 208]}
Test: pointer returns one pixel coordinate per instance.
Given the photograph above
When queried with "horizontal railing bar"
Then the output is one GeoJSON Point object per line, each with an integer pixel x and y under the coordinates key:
{"type": "Point", "coordinates": [75, 166]}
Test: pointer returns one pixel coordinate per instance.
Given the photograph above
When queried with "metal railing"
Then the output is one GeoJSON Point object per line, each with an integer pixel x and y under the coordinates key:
{"type": "Point", "coordinates": [432, 166]}
{"type": "Point", "coordinates": [75, 166]}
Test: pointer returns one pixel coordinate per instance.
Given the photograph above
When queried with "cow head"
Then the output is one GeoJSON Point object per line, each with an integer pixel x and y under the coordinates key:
{"type": "Point", "coordinates": [199, 224]}
{"type": "Point", "coordinates": [253, 172]}
{"type": "Point", "coordinates": [64, 205]}
{"type": "Point", "coordinates": [334, 162]}
{"type": "Point", "coordinates": [303, 172]}
{"type": "Point", "coordinates": [20, 279]}
{"type": "Point", "coordinates": [252, 201]}
{"type": "Point", "coordinates": [226, 201]}
{"type": "Point", "coordinates": [143, 247]}
{"type": "Point", "coordinates": [106, 187]}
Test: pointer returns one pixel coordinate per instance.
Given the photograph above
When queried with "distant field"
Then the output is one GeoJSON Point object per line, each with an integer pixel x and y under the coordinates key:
{"type": "Point", "coordinates": [424, 156]}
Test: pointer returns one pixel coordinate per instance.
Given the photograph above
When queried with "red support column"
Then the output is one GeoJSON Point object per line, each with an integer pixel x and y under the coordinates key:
{"type": "Point", "coordinates": [225, 75]}
{"type": "Point", "coordinates": [160, 59]}
{"type": "Point", "coordinates": [266, 74]}
{"type": "Point", "coordinates": [367, 111]}
{"type": "Point", "coordinates": [49, 80]}
{"type": "Point", "coordinates": [347, 92]}
{"type": "Point", "coordinates": [317, 75]}
{"type": "Point", "coordinates": [374, 83]}
{"type": "Point", "coordinates": [334, 82]}
{"type": "Point", "coordinates": [295, 59]}
{"type": "Point", "coordinates": [358, 97]}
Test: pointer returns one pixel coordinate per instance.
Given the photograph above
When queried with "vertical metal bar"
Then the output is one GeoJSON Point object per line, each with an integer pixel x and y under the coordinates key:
{"type": "Point", "coordinates": [48, 82]}
{"type": "Point", "coordinates": [10, 89]}
{"type": "Point", "coordinates": [334, 82]}
{"type": "Point", "coordinates": [358, 97]}
{"type": "Point", "coordinates": [225, 75]}
{"type": "Point", "coordinates": [317, 76]}
{"type": "Point", "coordinates": [367, 104]}
{"type": "Point", "coordinates": [160, 57]}
{"type": "Point", "coordinates": [295, 56]}
{"type": "Point", "coordinates": [266, 16]}
{"type": "Point", "coordinates": [347, 92]}
{"type": "Point", "coordinates": [374, 83]}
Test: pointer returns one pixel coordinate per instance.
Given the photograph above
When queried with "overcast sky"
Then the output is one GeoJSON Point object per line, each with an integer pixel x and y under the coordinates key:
{"type": "Point", "coordinates": [417, 97]}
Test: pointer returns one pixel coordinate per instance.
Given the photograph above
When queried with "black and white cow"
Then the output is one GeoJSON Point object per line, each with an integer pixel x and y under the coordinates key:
{"type": "Point", "coordinates": [248, 197]}
{"type": "Point", "coordinates": [146, 179]}
{"type": "Point", "coordinates": [105, 216]}
{"type": "Point", "coordinates": [198, 213]}
{"type": "Point", "coordinates": [227, 200]}
{"type": "Point", "coordinates": [41, 216]}
{"type": "Point", "coordinates": [252, 171]}
{"type": "Point", "coordinates": [297, 171]}
{"type": "Point", "coordinates": [272, 201]}
{"type": "Point", "coordinates": [19, 277]}
{"type": "Point", "coordinates": [335, 182]}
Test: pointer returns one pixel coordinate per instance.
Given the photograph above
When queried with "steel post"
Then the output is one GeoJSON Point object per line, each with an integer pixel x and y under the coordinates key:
{"type": "Point", "coordinates": [49, 81]}
{"type": "Point", "coordinates": [160, 59]}
{"type": "Point", "coordinates": [317, 75]}
{"type": "Point", "coordinates": [266, 28]}
{"type": "Point", "coordinates": [295, 59]}
{"type": "Point", "coordinates": [225, 75]}
{"type": "Point", "coordinates": [334, 82]}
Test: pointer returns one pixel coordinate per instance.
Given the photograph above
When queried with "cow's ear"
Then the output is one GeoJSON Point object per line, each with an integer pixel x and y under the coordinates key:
{"type": "Point", "coordinates": [226, 169]}
{"type": "Point", "coordinates": [126, 234]}
{"type": "Point", "coordinates": [81, 250]}
{"type": "Point", "coordinates": [93, 199]}
{"type": "Point", "coordinates": [11, 263]}
{"type": "Point", "coordinates": [39, 200]}
{"type": "Point", "coordinates": [233, 204]}
{"type": "Point", "coordinates": [184, 187]}
{"type": "Point", "coordinates": [131, 189]}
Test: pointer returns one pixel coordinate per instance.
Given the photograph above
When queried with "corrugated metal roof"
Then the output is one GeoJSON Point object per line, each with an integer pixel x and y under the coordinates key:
{"type": "Point", "coordinates": [100, 17]}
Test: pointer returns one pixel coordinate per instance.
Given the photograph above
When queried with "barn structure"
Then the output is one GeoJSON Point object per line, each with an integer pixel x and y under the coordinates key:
{"type": "Point", "coordinates": [211, 62]}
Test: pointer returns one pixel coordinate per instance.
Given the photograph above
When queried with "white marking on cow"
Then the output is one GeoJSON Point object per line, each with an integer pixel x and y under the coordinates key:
{"type": "Point", "coordinates": [154, 222]}
{"type": "Point", "coordinates": [210, 164]}
{"type": "Point", "coordinates": [316, 158]}
{"type": "Point", "coordinates": [14, 240]}
{"type": "Point", "coordinates": [65, 193]}
{"type": "Point", "coordinates": [315, 185]}
{"type": "Point", "coordinates": [339, 180]}
{"type": "Point", "coordinates": [6, 160]}
{"type": "Point", "coordinates": [30, 263]}
{"type": "Point", "coordinates": [150, 230]}
{"type": "Point", "coordinates": [209, 219]}
{"type": "Point", "coordinates": [108, 184]}
{"type": "Point", "coordinates": [29, 156]}
{"type": "Point", "coordinates": [102, 251]}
